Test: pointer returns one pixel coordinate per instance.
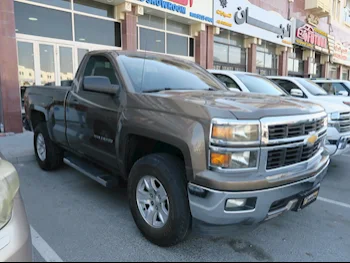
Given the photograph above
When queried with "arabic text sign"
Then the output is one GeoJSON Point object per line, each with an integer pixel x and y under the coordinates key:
{"type": "Point", "coordinates": [196, 9]}
{"type": "Point", "coordinates": [243, 17]}
{"type": "Point", "coordinates": [341, 54]}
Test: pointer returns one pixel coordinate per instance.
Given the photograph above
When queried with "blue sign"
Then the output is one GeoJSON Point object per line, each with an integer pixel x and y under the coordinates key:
{"type": "Point", "coordinates": [177, 8]}
{"type": "Point", "coordinates": [167, 5]}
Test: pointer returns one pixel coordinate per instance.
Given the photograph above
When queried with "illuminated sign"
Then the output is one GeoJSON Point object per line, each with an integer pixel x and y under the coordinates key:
{"type": "Point", "coordinates": [309, 35]}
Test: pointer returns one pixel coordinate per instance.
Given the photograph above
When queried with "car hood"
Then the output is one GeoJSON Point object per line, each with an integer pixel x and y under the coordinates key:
{"type": "Point", "coordinates": [331, 99]}
{"type": "Point", "coordinates": [241, 105]}
{"type": "Point", "coordinates": [333, 105]}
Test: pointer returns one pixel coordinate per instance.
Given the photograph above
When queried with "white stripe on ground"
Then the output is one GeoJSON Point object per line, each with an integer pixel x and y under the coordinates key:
{"type": "Point", "coordinates": [47, 253]}
{"type": "Point", "coordinates": [333, 202]}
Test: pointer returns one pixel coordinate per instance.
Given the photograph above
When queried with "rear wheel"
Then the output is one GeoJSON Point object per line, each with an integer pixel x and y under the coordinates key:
{"type": "Point", "coordinates": [48, 155]}
{"type": "Point", "coordinates": [158, 199]}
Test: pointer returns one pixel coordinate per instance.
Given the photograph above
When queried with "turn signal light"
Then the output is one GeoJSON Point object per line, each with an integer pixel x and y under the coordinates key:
{"type": "Point", "coordinates": [220, 159]}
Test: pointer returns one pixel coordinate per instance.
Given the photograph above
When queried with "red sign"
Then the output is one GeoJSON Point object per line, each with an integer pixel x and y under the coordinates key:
{"type": "Point", "coordinates": [183, 2]}
{"type": "Point", "coordinates": [308, 34]}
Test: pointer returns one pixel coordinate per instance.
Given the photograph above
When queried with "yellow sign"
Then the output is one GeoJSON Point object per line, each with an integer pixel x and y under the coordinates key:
{"type": "Point", "coordinates": [224, 23]}
{"type": "Point", "coordinates": [223, 14]}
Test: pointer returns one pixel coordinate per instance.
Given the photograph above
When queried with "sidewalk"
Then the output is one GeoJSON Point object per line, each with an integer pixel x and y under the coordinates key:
{"type": "Point", "coordinates": [17, 148]}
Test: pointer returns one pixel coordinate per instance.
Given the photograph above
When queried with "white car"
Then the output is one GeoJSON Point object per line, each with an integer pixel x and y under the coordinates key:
{"type": "Point", "coordinates": [338, 138]}
{"type": "Point", "coordinates": [337, 107]}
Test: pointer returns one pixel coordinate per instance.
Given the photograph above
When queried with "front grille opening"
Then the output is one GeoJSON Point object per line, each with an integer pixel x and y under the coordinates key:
{"type": "Point", "coordinates": [277, 205]}
{"type": "Point", "coordinates": [285, 131]}
{"type": "Point", "coordinates": [289, 156]}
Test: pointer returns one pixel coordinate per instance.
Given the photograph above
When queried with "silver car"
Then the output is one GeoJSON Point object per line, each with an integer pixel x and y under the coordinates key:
{"type": "Point", "coordinates": [15, 238]}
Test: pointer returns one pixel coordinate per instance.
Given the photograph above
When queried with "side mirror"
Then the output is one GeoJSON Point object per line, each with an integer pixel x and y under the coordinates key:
{"type": "Point", "coordinates": [343, 93]}
{"type": "Point", "coordinates": [100, 85]}
{"type": "Point", "coordinates": [235, 89]}
{"type": "Point", "coordinates": [297, 93]}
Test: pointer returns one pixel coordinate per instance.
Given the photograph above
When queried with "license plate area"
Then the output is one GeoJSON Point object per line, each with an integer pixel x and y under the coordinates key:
{"type": "Point", "coordinates": [308, 199]}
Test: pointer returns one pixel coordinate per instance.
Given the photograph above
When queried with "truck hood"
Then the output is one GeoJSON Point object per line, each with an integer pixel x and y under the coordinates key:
{"type": "Point", "coordinates": [241, 105]}
{"type": "Point", "coordinates": [324, 100]}
{"type": "Point", "coordinates": [333, 105]}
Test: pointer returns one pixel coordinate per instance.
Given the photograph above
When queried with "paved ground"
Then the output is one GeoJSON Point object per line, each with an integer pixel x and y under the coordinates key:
{"type": "Point", "coordinates": [80, 221]}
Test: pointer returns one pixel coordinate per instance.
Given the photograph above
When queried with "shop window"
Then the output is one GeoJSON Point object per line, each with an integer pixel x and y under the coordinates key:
{"type": "Point", "coordinates": [57, 3]}
{"type": "Point", "coordinates": [266, 59]}
{"type": "Point", "coordinates": [94, 8]}
{"type": "Point", "coordinates": [296, 63]}
{"type": "Point", "coordinates": [152, 40]}
{"type": "Point", "coordinates": [229, 51]}
{"type": "Point", "coordinates": [97, 31]}
{"type": "Point", "coordinates": [177, 45]}
{"type": "Point", "coordinates": [43, 22]}
{"type": "Point", "coordinates": [178, 27]}
{"type": "Point", "coordinates": [152, 21]}
{"type": "Point", "coordinates": [347, 12]}
{"type": "Point", "coordinates": [175, 40]}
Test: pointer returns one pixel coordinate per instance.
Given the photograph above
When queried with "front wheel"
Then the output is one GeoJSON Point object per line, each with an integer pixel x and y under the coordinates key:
{"type": "Point", "coordinates": [48, 155]}
{"type": "Point", "coordinates": [158, 199]}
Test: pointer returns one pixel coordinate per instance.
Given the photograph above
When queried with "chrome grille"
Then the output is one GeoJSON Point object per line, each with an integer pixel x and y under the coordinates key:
{"type": "Point", "coordinates": [285, 131]}
{"type": "Point", "coordinates": [344, 122]}
{"type": "Point", "coordinates": [289, 156]}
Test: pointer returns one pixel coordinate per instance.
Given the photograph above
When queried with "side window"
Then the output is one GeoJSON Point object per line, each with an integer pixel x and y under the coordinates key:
{"type": "Point", "coordinates": [337, 87]}
{"type": "Point", "coordinates": [230, 83]}
{"type": "Point", "coordinates": [102, 67]}
{"type": "Point", "coordinates": [328, 87]}
{"type": "Point", "coordinates": [286, 84]}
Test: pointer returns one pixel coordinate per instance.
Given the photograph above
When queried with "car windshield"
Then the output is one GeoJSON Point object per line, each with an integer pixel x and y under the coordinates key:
{"type": "Point", "coordinates": [312, 87]}
{"type": "Point", "coordinates": [153, 74]}
{"type": "Point", "coordinates": [347, 84]}
{"type": "Point", "coordinates": [260, 84]}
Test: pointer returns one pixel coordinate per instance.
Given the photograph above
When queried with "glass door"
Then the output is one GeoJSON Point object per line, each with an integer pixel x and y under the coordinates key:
{"type": "Point", "coordinates": [48, 62]}
{"type": "Point", "coordinates": [65, 65]}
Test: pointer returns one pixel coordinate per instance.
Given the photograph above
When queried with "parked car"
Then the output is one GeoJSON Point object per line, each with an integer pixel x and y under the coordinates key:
{"type": "Point", "coordinates": [334, 87]}
{"type": "Point", "coordinates": [338, 138]}
{"type": "Point", "coordinates": [191, 150]}
{"type": "Point", "coordinates": [15, 238]}
{"type": "Point", "coordinates": [248, 82]}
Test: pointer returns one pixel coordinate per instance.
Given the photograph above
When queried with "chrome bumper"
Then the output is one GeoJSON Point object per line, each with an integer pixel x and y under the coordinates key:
{"type": "Point", "coordinates": [15, 238]}
{"type": "Point", "coordinates": [209, 206]}
{"type": "Point", "coordinates": [342, 146]}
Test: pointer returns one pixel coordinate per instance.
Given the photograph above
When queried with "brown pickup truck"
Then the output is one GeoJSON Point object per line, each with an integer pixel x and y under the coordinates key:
{"type": "Point", "coordinates": [190, 150]}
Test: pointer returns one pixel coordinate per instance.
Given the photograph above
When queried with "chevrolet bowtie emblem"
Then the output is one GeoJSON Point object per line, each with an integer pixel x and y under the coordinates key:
{"type": "Point", "coordinates": [311, 140]}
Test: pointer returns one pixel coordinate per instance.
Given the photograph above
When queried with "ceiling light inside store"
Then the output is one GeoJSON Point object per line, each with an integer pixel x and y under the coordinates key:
{"type": "Point", "coordinates": [82, 39]}
{"type": "Point", "coordinates": [159, 41]}
{"type": "Point", "coordinates": [16, 30]}
{"type": "Point", "coordinates": [33, 19]}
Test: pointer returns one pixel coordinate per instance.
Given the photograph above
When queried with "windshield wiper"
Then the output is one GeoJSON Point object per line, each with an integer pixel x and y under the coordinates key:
{"type": "Point", "coordinates": [166, 89]}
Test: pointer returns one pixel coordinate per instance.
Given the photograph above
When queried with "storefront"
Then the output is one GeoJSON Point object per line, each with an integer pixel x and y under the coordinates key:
{"type": "Point", "coordinates": [53, 36]}
{"type": "Point", "coordinates": [311, 50]}
{"type": "Point", "coordinates": [341, 61]}
{"type": "Point", "coordinates": [251, 38]}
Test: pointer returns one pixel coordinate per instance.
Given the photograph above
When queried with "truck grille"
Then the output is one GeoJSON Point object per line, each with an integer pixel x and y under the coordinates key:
{"type": "Point", "coordinates": [289, 156]}
{"type": "Point", "coordinates": [344, 122]}
{"type": "Point", "coordinates": [285, 131]}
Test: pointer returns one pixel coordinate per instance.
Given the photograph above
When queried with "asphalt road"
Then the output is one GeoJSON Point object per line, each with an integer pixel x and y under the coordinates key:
{"type": "Point", "coordinates": [82, 221]}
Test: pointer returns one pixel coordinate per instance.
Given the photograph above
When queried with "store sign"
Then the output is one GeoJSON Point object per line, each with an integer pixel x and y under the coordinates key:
{"type": "Point", "coordinates": [310, 37]}
{"type": "Point", "coordinates": [243, 17]}
{"type": "Point", "coordinates": [196, 9]}
{"type": "Point", "coordinates": [341, 54]}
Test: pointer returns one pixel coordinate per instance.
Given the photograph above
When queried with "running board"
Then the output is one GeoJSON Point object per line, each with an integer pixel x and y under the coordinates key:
{"type": "Point", "coordinates": [91, 171]}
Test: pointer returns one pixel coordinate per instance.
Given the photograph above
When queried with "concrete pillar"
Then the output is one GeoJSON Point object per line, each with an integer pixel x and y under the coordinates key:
{"type": "Point", "coordinates": [283, 64]}
{"type": "Point", "coordinates": [10, 99]}
{"type": "Point", "coordinates": [252, 58]}
{"type": "Point", "coordinates": [325, 70]}
{"type": "Point", "coordinates": [201, 48]}
{"type": "Point", "coordinates": [210, 47]}
{"type": "Point", "coordinates": [340, 72]}
{"type": "Point", "coordinates": [129, 31]}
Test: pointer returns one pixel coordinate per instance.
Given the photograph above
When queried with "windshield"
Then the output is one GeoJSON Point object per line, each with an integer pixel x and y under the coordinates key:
{"type": "Point", "coordinates": [347, 84]}
{"type": "Point", "coordinates": [261, 85]}
{"type": "Point", "coordinates": [312, 87]}
{"type": "Point", "coordinates": [153, 74]}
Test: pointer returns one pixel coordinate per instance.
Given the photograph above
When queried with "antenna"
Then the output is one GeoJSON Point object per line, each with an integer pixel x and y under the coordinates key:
{"type": "Point", "coordinates": [144, 60]}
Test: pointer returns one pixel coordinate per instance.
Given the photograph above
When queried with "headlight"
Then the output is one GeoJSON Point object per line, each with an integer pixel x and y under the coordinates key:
{"type": "Point", "coordinates": [9, 185]}
{"type": "Point", "coordinates": [234, 160]}
{"type": "Point", "coordinates": [235, 132]}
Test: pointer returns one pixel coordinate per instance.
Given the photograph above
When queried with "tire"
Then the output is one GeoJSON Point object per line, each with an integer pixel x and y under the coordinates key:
{"type": "Point", "coordinates": [53, 154]}
{"type": "Point", "coordinates": [170, 172]}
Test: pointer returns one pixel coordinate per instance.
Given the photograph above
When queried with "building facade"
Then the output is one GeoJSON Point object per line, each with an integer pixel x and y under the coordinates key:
{"type": "Point", "coordinates": [43, 41]}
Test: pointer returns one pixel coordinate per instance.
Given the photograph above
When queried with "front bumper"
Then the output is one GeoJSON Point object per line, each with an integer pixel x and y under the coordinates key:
{"type": "Point", "coordinates": [337, 143]}
{"type": "Point", "coordinates": [208, 205]}
{"type": "Point", "coordinates": [15, 238]}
